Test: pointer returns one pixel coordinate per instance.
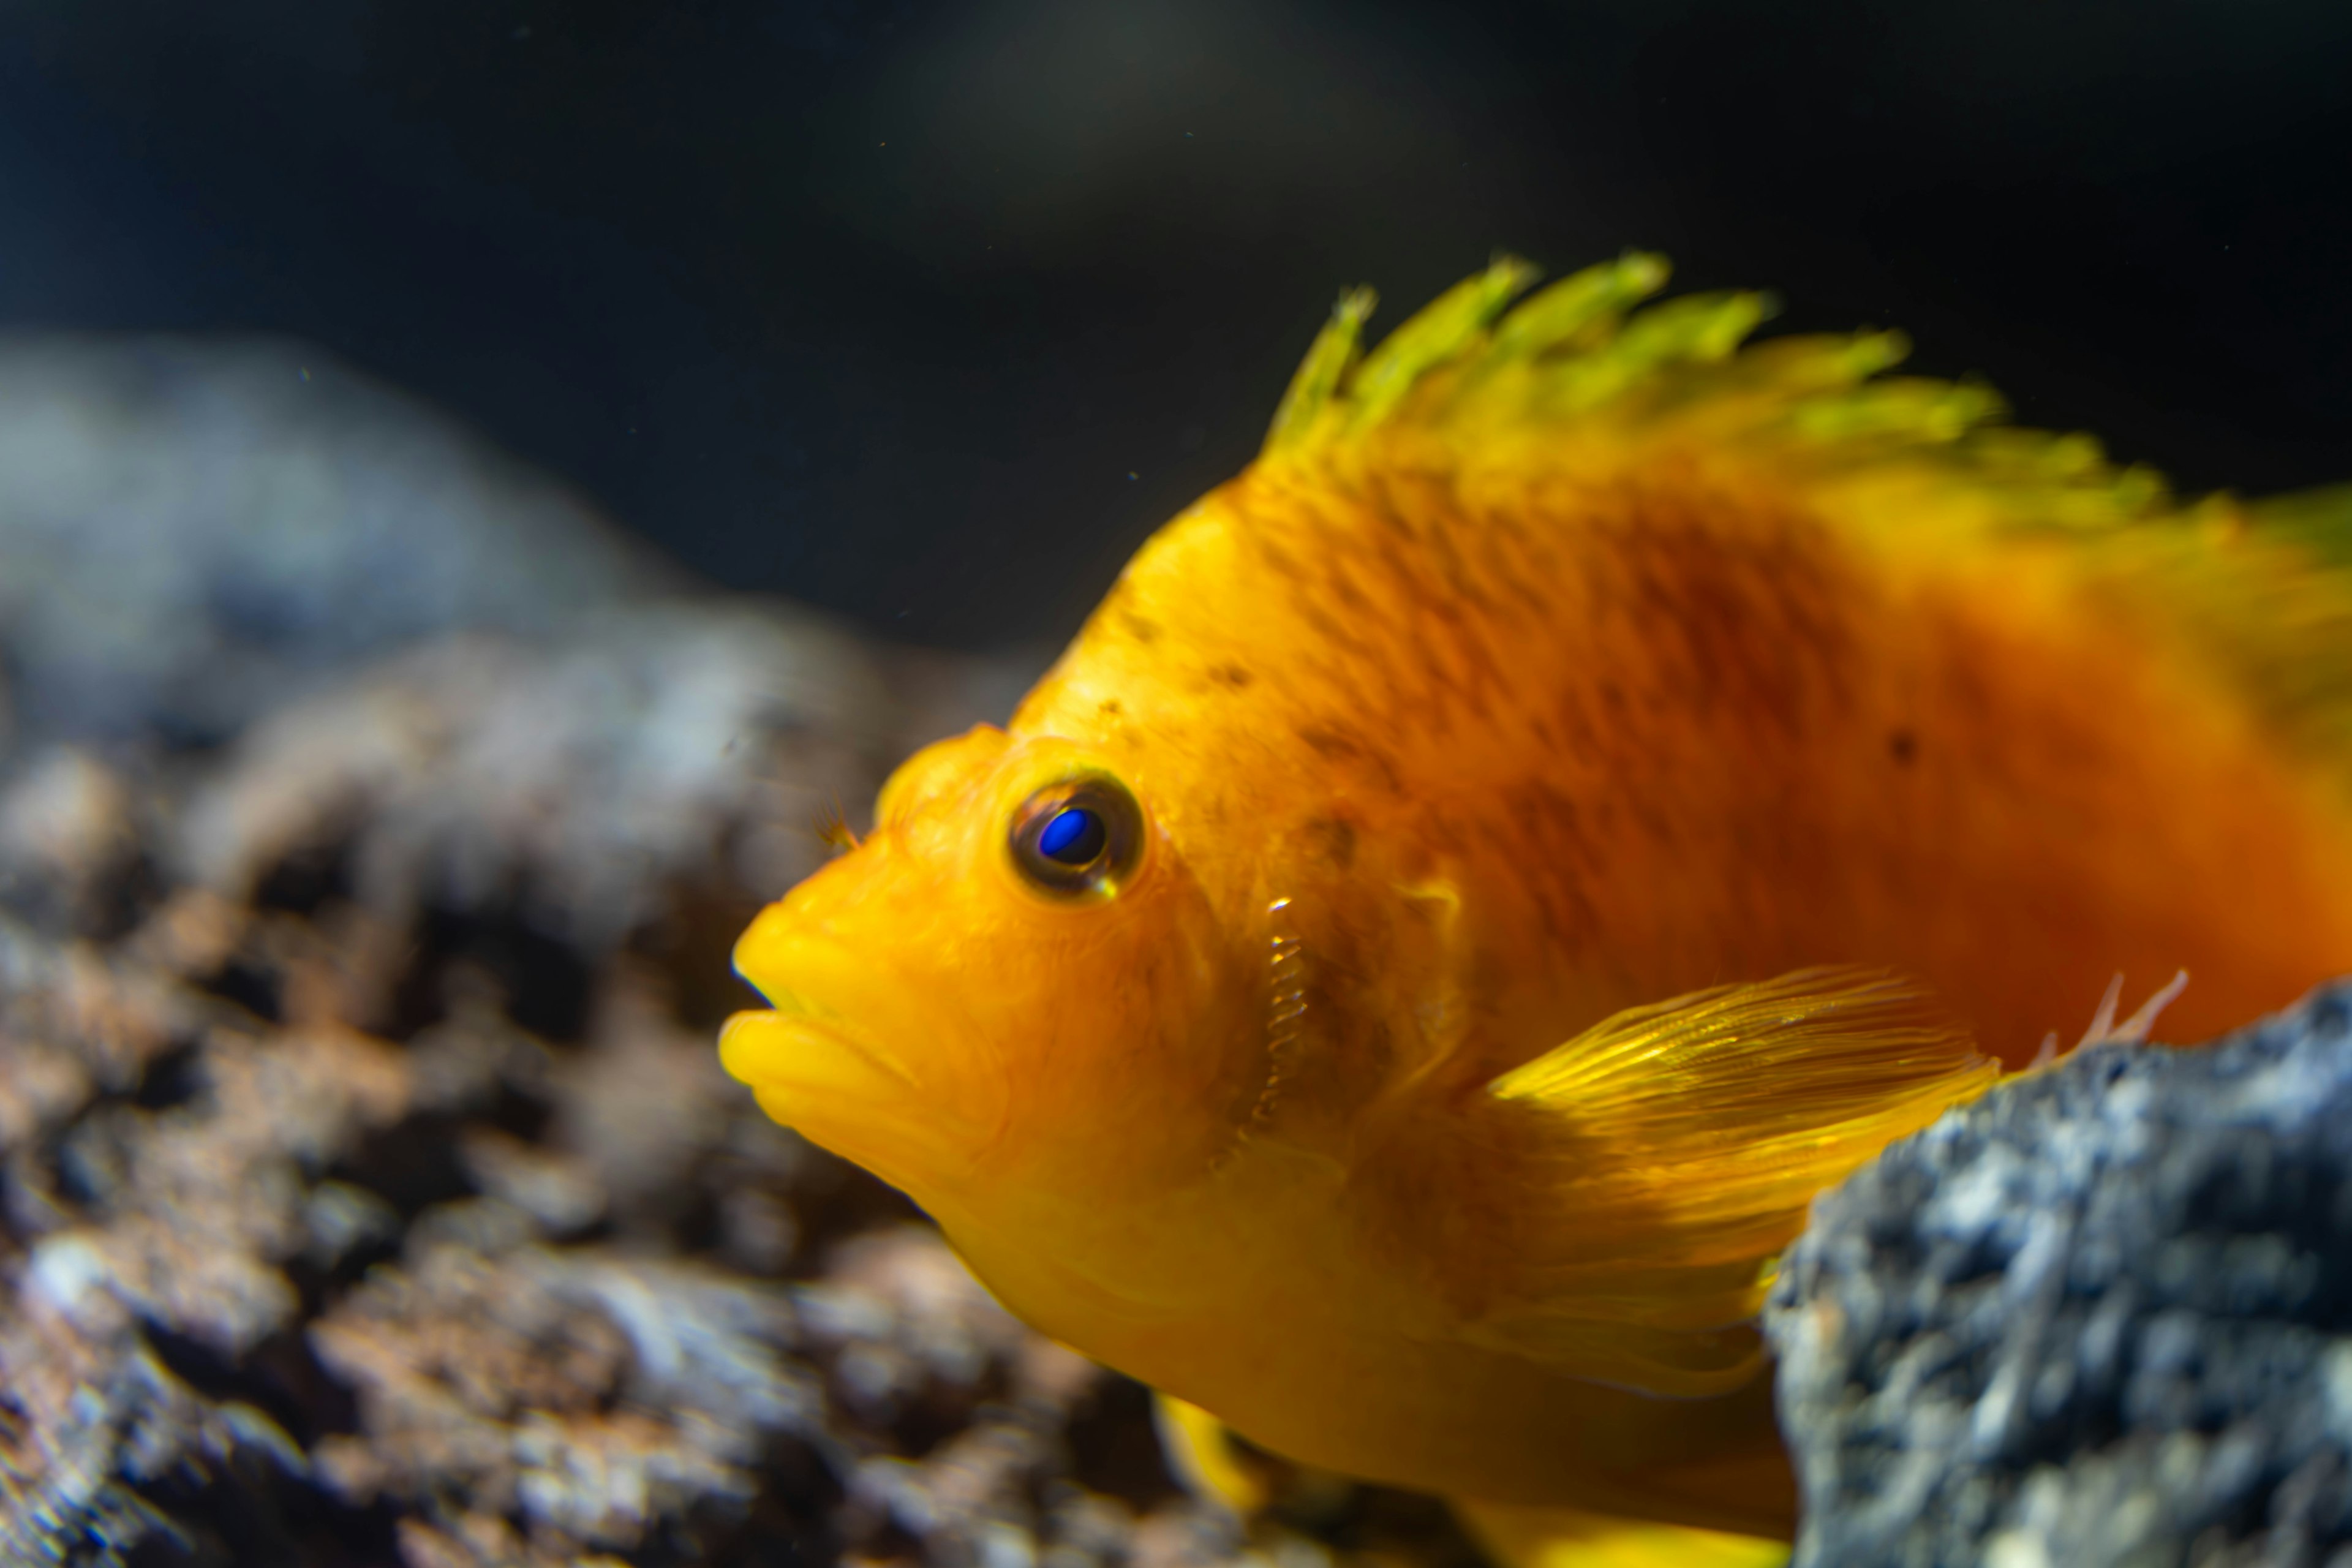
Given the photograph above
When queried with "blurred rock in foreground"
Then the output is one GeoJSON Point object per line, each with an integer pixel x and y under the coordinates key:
{"type": "Point", "coordinates": [2101, 1318]}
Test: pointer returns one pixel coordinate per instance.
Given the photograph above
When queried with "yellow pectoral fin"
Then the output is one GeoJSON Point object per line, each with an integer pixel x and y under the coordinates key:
{"type": "Point", "coordinates": [1677, 1147]}
{"type": "Point", "coordinates": [1837, 1061]}
{"type": "Point", "coordinates": [1523, 1537]}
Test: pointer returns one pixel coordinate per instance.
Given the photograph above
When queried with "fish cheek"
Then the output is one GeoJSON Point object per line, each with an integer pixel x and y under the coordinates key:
{"type": "Point", "coordinates": [1139, 1043]}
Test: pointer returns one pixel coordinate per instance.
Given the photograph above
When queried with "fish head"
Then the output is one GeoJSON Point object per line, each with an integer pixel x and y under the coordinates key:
{"type": "Point", "coordinates": [1011, 997]}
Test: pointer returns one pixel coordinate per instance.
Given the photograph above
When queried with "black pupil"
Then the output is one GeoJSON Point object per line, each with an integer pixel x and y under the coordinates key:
{"type": "Point", "coordinates": [1074, 838]}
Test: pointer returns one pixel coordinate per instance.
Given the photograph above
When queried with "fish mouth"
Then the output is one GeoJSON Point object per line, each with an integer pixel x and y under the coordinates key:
{"type": "Point", "coordinates": [843, 1092]}
{"type": "Point", "coordinates": [822, 1059]}
{"type": "Point", "coordinates": [801, 1025]}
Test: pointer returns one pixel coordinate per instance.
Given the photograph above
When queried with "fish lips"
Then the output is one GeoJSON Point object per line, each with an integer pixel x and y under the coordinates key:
{"type": "Point", "coordinates": [829, 1061]}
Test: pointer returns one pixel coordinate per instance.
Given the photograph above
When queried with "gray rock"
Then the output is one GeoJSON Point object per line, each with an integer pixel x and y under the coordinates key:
{"type": "Point", "coordinates": [192, 531]}
{"type": "Point", "coordinates": [2102, 1317]}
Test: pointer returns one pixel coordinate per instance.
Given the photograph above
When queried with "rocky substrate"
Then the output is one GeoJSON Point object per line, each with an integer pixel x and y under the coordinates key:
{"type": "Point", "coordinates": [2101, 1318]}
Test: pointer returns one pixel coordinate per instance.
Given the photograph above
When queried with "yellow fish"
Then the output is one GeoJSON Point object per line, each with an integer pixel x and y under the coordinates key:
{"type": "Point", "coordinates": [1396, 982]}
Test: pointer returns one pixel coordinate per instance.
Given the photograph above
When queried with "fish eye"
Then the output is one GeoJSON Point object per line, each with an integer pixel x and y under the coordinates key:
{"type": "Point", "coordinates": [1080, 838]}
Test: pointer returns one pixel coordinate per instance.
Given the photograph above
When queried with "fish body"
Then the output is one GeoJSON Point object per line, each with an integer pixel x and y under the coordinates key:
{"type": "Point", "coordinates": [1396, 982]}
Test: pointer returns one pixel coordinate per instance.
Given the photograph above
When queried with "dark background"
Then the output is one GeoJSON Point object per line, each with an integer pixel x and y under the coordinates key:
{"type": "Point", "coordinates": [881, 305]}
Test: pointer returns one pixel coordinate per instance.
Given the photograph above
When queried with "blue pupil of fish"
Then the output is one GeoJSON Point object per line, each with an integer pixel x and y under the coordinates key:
{"type": "Point", "coordinates": [1075, 836]}
{"type": "Point", "coordinates": [1082, 838]}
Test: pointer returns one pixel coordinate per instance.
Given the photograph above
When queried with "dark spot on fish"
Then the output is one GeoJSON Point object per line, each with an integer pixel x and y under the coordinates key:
{"type": "Point", "coordinates": [1327, 742]}
{"type": "Point", "coordinates": [1141, 630]}
{"type": "Point", "coordinates": [1335, 839]}
{"type": "Point", "coordinates": [1903, 746]}
{"type": "Point", "coordinates": [1336, 745]}
{"type": "Point", "coordinates": [1232, 675]}
{"type": "Point", "coordinates": [1109, 705]}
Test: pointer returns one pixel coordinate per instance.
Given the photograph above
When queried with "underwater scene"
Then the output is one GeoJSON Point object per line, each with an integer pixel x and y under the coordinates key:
{"type": "Point", "coordinates": [1175, 783]}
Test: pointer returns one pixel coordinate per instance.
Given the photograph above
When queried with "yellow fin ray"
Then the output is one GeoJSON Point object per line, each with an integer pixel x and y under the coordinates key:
{"type": "Point", "coordinates": [1198, 1450]}
{"type": "Point", "coordinates": [1563, 315]}
{"type": "Point", "coordinates": [1676, 1147]}
{"type": "Point", "coordinates": [1435, 334]}
{"type": "Point", "coordinates": [1317, 380]}
{"type": "Point", "coordinates": [1813, 1051]}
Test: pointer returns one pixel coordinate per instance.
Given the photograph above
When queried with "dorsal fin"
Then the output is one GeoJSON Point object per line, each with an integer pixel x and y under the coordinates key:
{"type": "Point", "coordinates": [2259, 591]}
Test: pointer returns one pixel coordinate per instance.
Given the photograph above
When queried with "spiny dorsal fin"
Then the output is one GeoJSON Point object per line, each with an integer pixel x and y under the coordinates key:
{"type": "Point", "coordinates": [2262, 590]}
{"type": "Point", "coordinates": [1339, 390]}
{"type": "Point", "coordinates": [1676, 1148]}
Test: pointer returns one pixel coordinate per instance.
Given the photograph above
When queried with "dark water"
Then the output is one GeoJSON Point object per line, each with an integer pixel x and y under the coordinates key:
{"type": "Point", "coordinates": [927, 311]}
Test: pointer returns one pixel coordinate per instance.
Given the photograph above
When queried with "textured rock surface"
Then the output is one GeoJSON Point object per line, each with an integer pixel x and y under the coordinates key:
{"type": "Point", "coordinates": [581, 773]}
{"type": "Point", "coordinates": [2102, 1317]}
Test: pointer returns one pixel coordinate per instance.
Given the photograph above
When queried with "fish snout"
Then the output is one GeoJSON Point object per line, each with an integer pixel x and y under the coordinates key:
{"type": "Point", "coordinates": [856, 1057]}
